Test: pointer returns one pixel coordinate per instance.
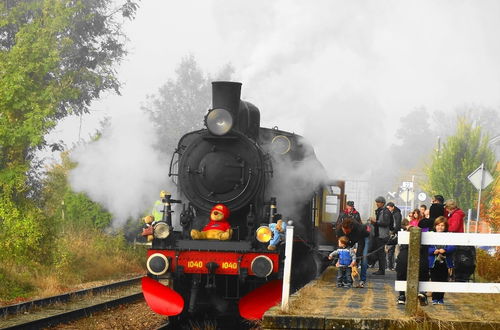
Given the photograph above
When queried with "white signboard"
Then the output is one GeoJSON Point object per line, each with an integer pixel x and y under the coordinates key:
{"type": "Point", "coordinates": [478, 174]}
{"type": "Point", "coordinates": [407, 185]}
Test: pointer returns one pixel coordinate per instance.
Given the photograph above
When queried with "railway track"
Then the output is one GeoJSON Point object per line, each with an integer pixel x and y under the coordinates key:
{"type": "Point", "coordinates": [54, 310]}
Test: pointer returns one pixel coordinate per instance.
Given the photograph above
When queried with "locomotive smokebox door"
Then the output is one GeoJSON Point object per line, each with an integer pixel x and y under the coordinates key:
{"type": "Point", "coordinates": [221, 172]}
{"type": "Point", "coordinates": [226, 170]}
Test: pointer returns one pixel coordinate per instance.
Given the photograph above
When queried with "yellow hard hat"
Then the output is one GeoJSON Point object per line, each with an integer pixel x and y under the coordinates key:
{"type": "Point", "coordinates": [163, 193]}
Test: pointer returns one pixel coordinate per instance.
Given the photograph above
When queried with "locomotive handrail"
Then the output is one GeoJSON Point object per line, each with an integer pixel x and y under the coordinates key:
{"type": "Point", "coordinates": [171, 163]}
{"type": "Point", "coordinates": [268, 164]}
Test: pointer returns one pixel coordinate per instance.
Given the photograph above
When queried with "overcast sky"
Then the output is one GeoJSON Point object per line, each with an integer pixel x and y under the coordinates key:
{"type": "Point", "coordinates": [341, 73]}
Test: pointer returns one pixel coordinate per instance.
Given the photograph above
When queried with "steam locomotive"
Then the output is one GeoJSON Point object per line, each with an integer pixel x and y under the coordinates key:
{"type": "Point", "coordinates": [262, 175]}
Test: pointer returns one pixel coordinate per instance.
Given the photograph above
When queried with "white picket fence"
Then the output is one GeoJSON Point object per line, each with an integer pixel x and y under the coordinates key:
{"type": "Point", "coordinates": [432, 238]}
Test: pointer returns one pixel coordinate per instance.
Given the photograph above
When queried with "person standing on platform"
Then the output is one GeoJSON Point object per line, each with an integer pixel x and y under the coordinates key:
{"type": "Point", "coordinates": [402, 266]}
{"type": "Point", "coordinates": [415, 218]}
{"type": "Point", "coordinates": [346, 259]}
{"type": "Point", "coordinates": [435, 211]}
{"type": "Point", "coordinates": [464, 257]}
{"type": "Point", "coordinates": [426, 223]}
{"type": "Point", "coordinates": [357, 233]}
{"type": "Point", "coordinates": [350, 212]}
{"type": "Point", "coordinates": [382, 227]}
{"type": "Point", "coordinates": [455, 217]}
{"type": "Point", "coordinates": [440, 260]}
{"type": "Point", "coordinates": [422, 208]}
{"type": "Point", "coordinates": [396, 219]}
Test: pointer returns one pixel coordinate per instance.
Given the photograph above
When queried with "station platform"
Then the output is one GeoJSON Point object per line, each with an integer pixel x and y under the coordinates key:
{"type": "Point", "coordinates": [321, 305]}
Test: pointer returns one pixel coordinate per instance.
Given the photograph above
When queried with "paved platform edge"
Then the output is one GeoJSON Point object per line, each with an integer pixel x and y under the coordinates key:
{"type": "Point", "coordinates": [319, 322]}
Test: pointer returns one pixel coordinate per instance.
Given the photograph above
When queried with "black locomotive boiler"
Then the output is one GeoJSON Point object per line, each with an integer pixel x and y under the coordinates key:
{"type": "Point", "coordinates": [262, 175]}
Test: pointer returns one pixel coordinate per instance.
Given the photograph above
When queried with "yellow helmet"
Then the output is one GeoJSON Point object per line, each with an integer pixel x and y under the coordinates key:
{"type": "Point", "coordinates": [163, 193]}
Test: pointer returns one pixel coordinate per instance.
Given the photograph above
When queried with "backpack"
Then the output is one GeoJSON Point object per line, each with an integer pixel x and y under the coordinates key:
{"type": "Point", "coordinates": [464, 260]}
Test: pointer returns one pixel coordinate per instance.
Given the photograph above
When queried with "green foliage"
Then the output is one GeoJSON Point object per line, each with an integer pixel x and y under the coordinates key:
{"type": "Point", "coordinates": [20, 230]}
{"type": "Point", "coordinates": [83, 211]}
{"type": "Point", "coordinates": [65, 206]}
{"type": "Point", "coordinates": [12, 286]}
{"type": "Point", "coordinates": [55, 57]}
{"type": "Point", "coordinates": [182, 103]}
{"type": "Point", "coordinates": [461, 154]}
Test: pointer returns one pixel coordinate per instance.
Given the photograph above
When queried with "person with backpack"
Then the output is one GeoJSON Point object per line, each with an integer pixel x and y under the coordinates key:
{"type": "Point", "coordinates": [464, 257]}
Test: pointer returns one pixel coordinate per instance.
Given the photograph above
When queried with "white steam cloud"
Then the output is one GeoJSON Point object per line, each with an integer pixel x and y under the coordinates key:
{"type": "Point", "coordinates": [343, 73]}
{"type": "Point", "coordinates": [122, 170]}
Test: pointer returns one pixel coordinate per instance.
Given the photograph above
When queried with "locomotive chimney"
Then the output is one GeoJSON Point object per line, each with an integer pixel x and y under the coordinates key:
{"type": "Point", "coordinates": [226, 95]}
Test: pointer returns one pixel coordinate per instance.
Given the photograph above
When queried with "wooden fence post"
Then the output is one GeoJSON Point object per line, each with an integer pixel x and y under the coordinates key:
{"type": "Point", "coordinates": [413, 271]}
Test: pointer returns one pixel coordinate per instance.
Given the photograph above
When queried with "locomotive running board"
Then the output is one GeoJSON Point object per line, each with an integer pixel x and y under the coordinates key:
{"type": "Point", "coordinates": [160, 298]}
{"type": "Point", "coordinates": [256, 303]}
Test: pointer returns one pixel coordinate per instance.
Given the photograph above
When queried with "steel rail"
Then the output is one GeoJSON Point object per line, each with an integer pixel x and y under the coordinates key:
{"type": "Point", "coordinates": [25, 306]}
{"type": "Point", "coordinates": [75, 314]}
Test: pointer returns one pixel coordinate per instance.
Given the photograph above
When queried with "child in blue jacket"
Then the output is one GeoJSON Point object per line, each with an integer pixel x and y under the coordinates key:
{"type": "Point", "coordinates": [346, 258]}
{"type": "Point", "coordinates": [440, 260]}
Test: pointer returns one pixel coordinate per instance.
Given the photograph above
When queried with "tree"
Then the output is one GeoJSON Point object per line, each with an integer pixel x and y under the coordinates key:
{"type": "Point", "coordinates": [64, 206]}
{"type": "Point", "coordinates": [417, 140]}
{"type": "Point", "coordinates": [181, 103]}
{"type": "Point", "coordinates": [492, 209]}
{"type": "Point", "coordinates": [461, 154]}
{"type": "Point", "coordinates": [56, 56]}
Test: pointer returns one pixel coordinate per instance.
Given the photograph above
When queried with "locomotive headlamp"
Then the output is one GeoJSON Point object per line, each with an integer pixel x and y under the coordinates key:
{"type": "Point", "coordinates": [157, 264]}
{"type": "Point", "coordinates": [263, 234]}
{"type": "Point", "coordinates": [219, 121]}
{"type": "Point", "coordinates": [161, 230]}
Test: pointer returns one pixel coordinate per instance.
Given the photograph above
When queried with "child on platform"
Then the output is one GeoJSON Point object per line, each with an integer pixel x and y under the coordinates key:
{"type": "Point", "coordinates": [440, 260]}
{"type": "Point", "coordinates": [346, 259]}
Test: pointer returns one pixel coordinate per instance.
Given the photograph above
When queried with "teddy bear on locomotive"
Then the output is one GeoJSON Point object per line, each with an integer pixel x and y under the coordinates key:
{"type": "Point", "coordinates": [225, 251]}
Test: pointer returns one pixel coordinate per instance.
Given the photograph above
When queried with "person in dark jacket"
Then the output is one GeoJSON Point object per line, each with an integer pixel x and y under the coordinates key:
{"type": "Point", "coordinates": [396, 219]}
{"type": "Point", "coordinates": [382, 226]}
{"type": "Point", "coordinates": [435, 211]}
{"type": "Point", "coordinates": [402, 266]}
{"type": "Point", "coordinates": [357, 233]}
{"type": "Point", "coordinates": [438, 199]}
{"type": "Point", "coordinates": [350, 212]}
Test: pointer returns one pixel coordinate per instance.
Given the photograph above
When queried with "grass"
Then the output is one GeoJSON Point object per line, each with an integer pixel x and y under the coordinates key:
{"type": "Point", "coordinates": [80, 256]}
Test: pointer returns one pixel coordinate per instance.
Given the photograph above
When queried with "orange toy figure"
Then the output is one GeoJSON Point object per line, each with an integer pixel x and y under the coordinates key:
{"type": "Point", "coordinates": [218, 227]}
{"type": "Point", "coordinates": [148, 230]}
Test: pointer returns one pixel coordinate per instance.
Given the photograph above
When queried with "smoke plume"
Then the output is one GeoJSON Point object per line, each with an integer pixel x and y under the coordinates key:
{"type": "Point", "coordinates": [122, 170]}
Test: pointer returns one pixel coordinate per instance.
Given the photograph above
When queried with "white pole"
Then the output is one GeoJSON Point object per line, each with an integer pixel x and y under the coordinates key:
{"type": "Point", "coordinates": [288, 268]}
{"type": "Point", "coordinates": [479, 196]}
{"type": "Point", "coordinates": [469, 215]}
{"type": "Point", "coordinates": [406, 202]}
{"type": "Point", "coordinates": [413, 190]}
